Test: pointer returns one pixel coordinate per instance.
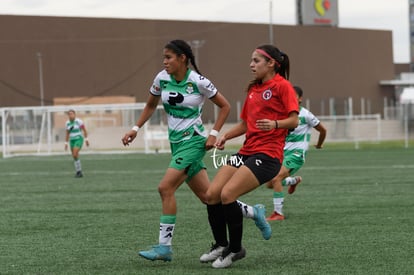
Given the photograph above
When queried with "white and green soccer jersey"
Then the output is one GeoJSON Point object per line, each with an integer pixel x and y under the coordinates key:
{"type": "Point", "coordinates": [183, 103]}
{"type": "Point", "coordinates": [75, 129]}
{"type": "Point", "coordinates": [297, 141]}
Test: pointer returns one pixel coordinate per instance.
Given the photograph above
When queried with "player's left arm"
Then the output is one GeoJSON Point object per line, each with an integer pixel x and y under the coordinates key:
{"type": "Point", "coordinates": [322, 135]}
{"type": "Point", "coordinates": [85, 134]}
{"type": "Point", "coordinates": [220, 101]}
{"type": "Point", "coordinates": [66, 139]}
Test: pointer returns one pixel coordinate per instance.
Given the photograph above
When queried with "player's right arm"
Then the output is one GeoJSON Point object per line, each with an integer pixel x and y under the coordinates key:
{"type": "Point", "coordinates": [149, 109]}
{"type": "Point", "coordinates": [236, 131]}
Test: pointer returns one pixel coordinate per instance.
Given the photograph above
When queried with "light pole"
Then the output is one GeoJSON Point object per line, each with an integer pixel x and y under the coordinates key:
{"type": "Point", "coordinates": [270, 22]}
{"type": "Point", "coordinates": [40, 64]}
{"type": "Point", "coordinates": [196, 44]}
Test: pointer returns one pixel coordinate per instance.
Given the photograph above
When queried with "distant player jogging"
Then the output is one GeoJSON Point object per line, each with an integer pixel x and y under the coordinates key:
{"type": "Point", "coordinates": [183, 92]}
{"type": "Point", "coordinates": [296, 148]}
{"type": "Point", "coordinates": [76, 135]}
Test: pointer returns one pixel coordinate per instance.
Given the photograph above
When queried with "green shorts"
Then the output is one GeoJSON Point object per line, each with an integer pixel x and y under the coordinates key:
{"type": "Point", "coordinates": [188, 155]}
{"type": "Point", "coordinates": [76, 143]}
{"type": "Point", "coordinates": [293, 160]}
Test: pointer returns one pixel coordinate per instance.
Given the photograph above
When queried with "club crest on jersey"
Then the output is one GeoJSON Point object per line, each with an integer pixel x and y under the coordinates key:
{"type": "Point", "coordinates": [267, 95]}
{"type": "Point", "coordinates": [190, 88]}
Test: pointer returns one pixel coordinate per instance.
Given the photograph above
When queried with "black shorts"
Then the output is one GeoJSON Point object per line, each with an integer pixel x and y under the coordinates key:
{"type": "Point", "coordinates": [263, 167]}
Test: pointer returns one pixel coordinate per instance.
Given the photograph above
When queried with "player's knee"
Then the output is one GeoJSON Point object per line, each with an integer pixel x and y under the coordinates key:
{"type": "Point", "coordinates": [211, 197]}
{"type": "Point", "coordinates": [165, 191]}
{"type": "Point", "coordinates": [269, 184]}
{"type": "Point", "coordinates": [227, 197]}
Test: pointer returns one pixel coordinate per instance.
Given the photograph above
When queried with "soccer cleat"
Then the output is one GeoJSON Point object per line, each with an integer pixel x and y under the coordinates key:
{"type": "Point", "coordinates": [292, 188]}
{"type": "Point", "coordinates": [213, 254]}
{"type": "Point", "coordinates": [275, 217]}
{"type": "Point", "coordinates": [158, 252]}
{"type": "Point", "coordinates": [228, 257]}
{"type": "Point", "coordinates": [260, 221]}
{"type": "Point", "coordinates": [79, 174]}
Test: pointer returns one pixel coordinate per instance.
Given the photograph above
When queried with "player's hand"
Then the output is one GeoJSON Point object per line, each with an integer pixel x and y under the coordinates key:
{"type": "Point", "coordinates": [66, 146]}
{"type": "Point", "coordinates": [220, 143]}
{"type": "Point", "coordinates": [129, 137]}
{"type": "Point", "coordinates": [265, 124]}
{"type": "Point", "coordinates": [211, 140]}
{"type": "Point", "coordinates": [87, 142]}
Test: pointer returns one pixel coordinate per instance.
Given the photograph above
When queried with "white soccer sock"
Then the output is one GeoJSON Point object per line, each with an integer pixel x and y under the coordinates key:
{"type": "Point", "coordinates": [246, 209]}
{"type": "Point", "coordinates": [278, 205]}
{"type": "Point", "coordinates": [290, 180]}
{"type": "Point", "coordinates": [166, 233]}
{"type": "Point", "coordinates": [78, 166]}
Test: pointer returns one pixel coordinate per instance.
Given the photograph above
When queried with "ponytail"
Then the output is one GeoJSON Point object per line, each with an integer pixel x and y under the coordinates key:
{"type": "Point", "coordinates": [284, 69]}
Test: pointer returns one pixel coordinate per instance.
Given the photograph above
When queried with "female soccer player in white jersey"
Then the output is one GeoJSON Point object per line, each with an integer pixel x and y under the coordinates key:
{"type": "Point", "coordinates": [76, 134]}
{"type": "Point", "coordinates": [296, 147]}
{"type": "Point", "coordinates": [183, 92]}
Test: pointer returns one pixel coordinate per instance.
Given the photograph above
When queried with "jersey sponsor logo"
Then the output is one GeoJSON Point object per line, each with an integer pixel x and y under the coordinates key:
{"type": "Point", "coordinates": [267, 95]}
{"type": "Point", "coordinates": [174, 98]}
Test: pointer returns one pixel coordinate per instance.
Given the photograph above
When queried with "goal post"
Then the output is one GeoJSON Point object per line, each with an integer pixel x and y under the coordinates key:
{"type": "Point", "coordinates": [353, 128]}
{"type": "Point", "coordinates": [41, 130]}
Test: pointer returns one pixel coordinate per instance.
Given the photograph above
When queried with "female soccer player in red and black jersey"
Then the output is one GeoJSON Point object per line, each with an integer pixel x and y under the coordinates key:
{"type": "Point", "coordinates": [270, 109]}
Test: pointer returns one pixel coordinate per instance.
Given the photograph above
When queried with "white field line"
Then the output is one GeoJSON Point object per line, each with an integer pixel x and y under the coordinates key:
{"type": "Point", "coordinates": [86, 172]}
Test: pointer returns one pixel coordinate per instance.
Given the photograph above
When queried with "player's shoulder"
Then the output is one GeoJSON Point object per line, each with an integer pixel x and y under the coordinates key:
{"type": "Point", "coordinates": [195, 77]}
{"type": "Point", "coordinates": [163, 75]}
{"type": "Point", "coordinates": [305, 111]}
{"type": "Point", "coordinates": [78, 121]}
{"type": "Point", "coordinates": [281, 81]}
{"type": "Point", "coordinates": [281, 84]}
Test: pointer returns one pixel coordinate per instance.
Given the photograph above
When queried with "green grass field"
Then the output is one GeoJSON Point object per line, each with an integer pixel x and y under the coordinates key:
{"type": "Point", "coordinates": [353, 214]}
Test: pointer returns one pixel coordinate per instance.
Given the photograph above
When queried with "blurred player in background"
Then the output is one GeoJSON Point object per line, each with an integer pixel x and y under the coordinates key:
{"type": "Point", "coordinates": [296, 147]}
{"type": "Point", "coordinates": [183, 92]}
{"type": "Point", "coordinates": [76, 134]}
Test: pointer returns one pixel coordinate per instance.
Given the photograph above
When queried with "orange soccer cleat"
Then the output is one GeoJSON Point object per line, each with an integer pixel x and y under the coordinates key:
{"type": "Point", "coordinates": [275, 217]}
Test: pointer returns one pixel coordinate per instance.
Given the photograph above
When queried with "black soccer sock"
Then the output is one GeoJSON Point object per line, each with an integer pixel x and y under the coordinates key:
{"type": "Point", "coordinates": [217, 223]}
{"type": "Point", "coordinates": [234, 220]}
